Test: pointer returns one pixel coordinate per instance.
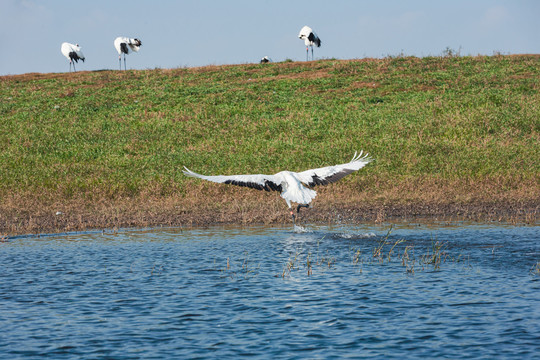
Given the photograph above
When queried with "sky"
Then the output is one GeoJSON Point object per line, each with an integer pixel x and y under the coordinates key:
{"type": "Point", "coordinates": [192, 33]}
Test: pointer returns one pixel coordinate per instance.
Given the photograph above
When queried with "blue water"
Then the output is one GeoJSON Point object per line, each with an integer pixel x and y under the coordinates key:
{"type": "Point", "coordinates": [320, 292]}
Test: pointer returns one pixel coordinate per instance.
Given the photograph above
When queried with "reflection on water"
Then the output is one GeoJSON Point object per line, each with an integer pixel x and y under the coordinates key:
{"type": "Point", "coordinates": [303, 292]}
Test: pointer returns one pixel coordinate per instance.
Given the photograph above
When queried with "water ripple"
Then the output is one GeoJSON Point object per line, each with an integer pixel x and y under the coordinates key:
{"type": "Point", "coordinates": [272, 293]}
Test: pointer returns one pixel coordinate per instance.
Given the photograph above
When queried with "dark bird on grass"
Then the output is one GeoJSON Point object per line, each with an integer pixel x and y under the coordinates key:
{"type": "Point", "coordinates": [125, 45]}
{"type": "Point", "coordinates": [73, 53]}
{"type": "Point", "coordinates": [310, 39]}
{"type": "Point", "coordinates": [294, 186]}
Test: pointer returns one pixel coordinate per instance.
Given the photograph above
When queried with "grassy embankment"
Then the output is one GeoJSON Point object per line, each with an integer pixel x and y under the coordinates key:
{"type": "Point", "coordinates": [451, 136]}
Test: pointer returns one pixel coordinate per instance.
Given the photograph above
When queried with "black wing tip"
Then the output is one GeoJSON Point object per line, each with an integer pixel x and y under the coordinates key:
{"type": "Point", "coordinates": [75, 57]}
{"type": "Point", "coordinates": [314, 39]}
{"type": "Point", "coordinates": [316, 180]}
{"type": "Point", "coordinates": [268, 185]}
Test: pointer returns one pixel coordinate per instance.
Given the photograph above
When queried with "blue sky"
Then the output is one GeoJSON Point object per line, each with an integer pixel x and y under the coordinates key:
{"type": "Point", "coordinates": [205, 32]}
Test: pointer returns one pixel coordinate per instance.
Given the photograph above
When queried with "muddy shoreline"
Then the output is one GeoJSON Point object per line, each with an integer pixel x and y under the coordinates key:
{"type": "Point", "coordinates": [113, 217]}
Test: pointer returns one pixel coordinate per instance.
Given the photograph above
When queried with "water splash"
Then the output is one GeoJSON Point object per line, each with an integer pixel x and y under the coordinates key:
{"type": "Point", "coordinates": [354, 235]}
{"type": "Point", "coordinates": [299, 229]}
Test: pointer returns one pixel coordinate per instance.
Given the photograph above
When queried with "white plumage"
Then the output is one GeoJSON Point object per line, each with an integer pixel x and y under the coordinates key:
{"type": "Point", "coordinates": [310, 38]}
{"type": "Point", "coordinates": [73, 53]}
{"type": "Point", "coordinates": [294, 186]}
{"type": "Point", "coordinates": [125, 45]}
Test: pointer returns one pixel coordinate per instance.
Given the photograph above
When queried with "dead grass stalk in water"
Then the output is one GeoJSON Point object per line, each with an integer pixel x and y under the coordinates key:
{"type": "Point", "coordinates": [535, 269]}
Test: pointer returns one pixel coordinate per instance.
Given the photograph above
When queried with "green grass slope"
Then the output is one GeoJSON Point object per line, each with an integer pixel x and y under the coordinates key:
{"type": "Point", "coordinates": [441, 129]}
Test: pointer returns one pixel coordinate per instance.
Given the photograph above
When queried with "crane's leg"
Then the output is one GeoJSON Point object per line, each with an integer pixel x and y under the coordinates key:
{"type": "Point", "coordinates": [125, 68]}
{"type": "Point", "coordinates": [307, 53]}
{"type": "Point", "coordinates": [301, 206]}
{"type": "Point", "coordinates": [120, 61]}
{"type": "Point", "coordinates": [74, 70]}
{"type": "Point", "coordinates": [312, 58]}
{"type": "Point", "coordinates": [291, 211]}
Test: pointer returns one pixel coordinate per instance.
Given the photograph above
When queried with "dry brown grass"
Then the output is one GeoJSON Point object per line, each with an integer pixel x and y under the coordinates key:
{"type": "Point", "coordinates": [207, 204]}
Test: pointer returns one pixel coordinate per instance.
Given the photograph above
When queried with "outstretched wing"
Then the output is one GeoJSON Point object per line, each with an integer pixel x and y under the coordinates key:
{"type": "Point", "coordinates": [330, 174]}
{"type": "Point", "coordinates": [259, 181]}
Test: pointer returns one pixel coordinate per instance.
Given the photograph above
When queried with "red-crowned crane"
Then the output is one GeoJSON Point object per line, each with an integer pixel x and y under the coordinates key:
{"type": "Point", "coordinates": [294, 186]}
{"type": "Point", "coordinates": [73, 53]}
{"type": "Point", "coordinates": [124, 45]}
{"type": "Point", "coordinates": [310, 39]}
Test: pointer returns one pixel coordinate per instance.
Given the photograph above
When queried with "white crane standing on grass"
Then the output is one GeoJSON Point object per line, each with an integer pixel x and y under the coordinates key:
{"type": "Point", "coordinates": [310, 39]}
{"type": "Point", "coordinates": [73, 53]}
{"type": "Point", "coordinates": [124, 45]}
{"type": "Point", "coordinates": [292, 185]}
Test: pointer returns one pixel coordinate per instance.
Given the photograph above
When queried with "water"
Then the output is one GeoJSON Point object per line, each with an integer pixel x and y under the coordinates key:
{"type": "Point", "coordinates": [312, 292]}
